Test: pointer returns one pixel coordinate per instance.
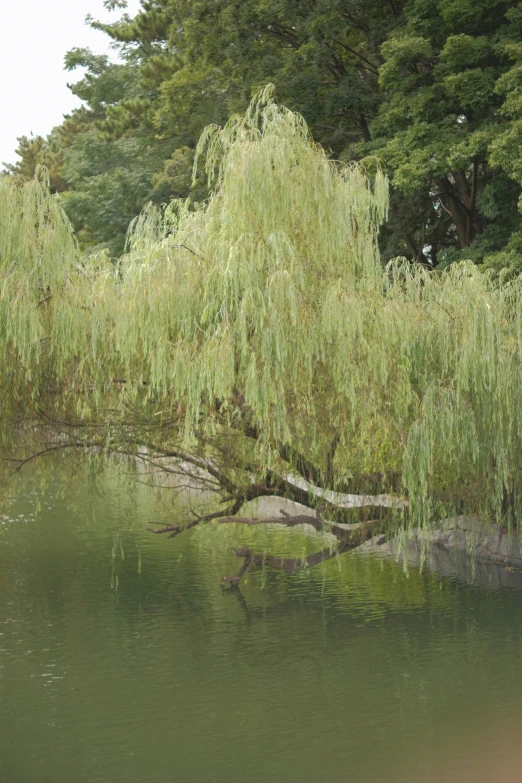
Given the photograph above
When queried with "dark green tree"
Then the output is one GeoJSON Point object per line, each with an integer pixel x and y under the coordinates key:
{"type": "Point", "coordinates": [430, 88]}
{"type": "Point", "coordinates": [424, 86]}
{"type": "Point", "coordinates": [35, 151]}
{"type": "Point", "coordinates": [441, 121]}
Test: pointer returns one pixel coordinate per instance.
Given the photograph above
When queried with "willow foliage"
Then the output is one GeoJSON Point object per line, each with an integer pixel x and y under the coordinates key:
{"type": "Point", "coordinates": [271, 299]}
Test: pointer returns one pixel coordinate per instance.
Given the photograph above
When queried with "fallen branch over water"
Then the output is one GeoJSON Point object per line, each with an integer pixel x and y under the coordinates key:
{"type": "Point", "coordinates": [348, 537]}
{"type": "Point", "coordinates": [348, 540]}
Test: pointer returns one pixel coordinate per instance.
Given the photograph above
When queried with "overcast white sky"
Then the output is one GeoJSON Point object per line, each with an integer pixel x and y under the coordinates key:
{"type": "Point", "coordinates": [36, 35]}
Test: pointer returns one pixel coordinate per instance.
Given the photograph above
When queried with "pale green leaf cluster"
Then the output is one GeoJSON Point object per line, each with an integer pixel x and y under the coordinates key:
{"type": "Point", "coordinates": [37, 250]}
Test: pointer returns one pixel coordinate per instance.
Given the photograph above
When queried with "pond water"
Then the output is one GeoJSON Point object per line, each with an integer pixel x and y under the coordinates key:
{"type": "Point", "coordinates": [123, 661]}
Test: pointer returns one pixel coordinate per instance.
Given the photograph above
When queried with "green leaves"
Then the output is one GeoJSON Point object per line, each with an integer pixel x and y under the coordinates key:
{"type": "Point", "coordinates": [441, 126]}
{"type": "Point", "coordinates": [432, 88]}
{"type": "Point", "coordinates": [405, 56]}
{"type": "Point", "coordinates": [269, 304]}
{"type": "Point", "coordinates": [463, 51]}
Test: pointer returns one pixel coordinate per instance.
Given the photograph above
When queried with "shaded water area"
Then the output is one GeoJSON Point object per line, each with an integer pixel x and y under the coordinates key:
{"type": "Point", "coordinates": [123, 661]}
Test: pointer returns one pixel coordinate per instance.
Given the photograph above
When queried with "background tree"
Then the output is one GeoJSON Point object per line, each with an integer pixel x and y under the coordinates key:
{"type": "Point", "coordinates": [415, 85]}
{"type": "Point", "coordinates": [35, 151]}
{"type": "Point", "coordinates": [430, 89]}
{"type": "Point", "coordinates": [441, 120]}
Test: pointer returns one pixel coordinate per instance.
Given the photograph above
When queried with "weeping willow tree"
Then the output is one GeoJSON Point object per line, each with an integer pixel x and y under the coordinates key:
{"type": "Point", "coordinates": [255, 345]}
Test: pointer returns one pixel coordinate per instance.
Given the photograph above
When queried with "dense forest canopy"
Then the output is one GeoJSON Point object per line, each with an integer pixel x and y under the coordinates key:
{"type": "Point", "coordinates": [430, 88]}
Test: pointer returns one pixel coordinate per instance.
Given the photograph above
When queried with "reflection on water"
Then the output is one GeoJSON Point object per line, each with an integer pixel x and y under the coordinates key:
{"type": "Point", "coordinates": [122, 660]}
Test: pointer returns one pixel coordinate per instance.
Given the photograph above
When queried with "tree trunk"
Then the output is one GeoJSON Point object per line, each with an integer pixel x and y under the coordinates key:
{"type": "Point", "coordinates": [416, 250]}
{"type": "Point", "coordinates": [364, 127]}
{"type": "Point", "coordinates": [461, 205]}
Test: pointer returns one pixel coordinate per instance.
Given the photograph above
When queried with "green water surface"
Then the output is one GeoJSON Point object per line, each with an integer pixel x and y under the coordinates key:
{"type": "Point", "coordinates": [123, 661]}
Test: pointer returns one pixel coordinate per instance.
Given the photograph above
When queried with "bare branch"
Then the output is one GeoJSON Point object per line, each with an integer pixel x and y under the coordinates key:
{"type": "Point", "coordinates": [341, 500]}
{"type": "Point", "coordinates": [351, 535]}
{"type": "Point", "coordinates": [175, 530]}
{"type": "Point", "coordinates": [351, 540]}
{"type": "Point", "coordinates": [369, 65]}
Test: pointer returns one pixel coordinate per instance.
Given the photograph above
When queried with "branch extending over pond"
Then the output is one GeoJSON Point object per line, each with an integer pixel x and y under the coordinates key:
{"type": "Point", "coordinates": [342, 500]}
{"type": "Point", "coordinates": [349, 537]}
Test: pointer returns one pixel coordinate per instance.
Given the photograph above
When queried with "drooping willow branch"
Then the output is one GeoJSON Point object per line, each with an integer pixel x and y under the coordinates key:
{"type": "Point", "coordinates": [330, 370]}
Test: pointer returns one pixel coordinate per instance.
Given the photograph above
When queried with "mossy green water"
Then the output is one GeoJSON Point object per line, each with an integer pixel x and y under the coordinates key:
{"type": "Point", "coordinates": [123, 661]}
